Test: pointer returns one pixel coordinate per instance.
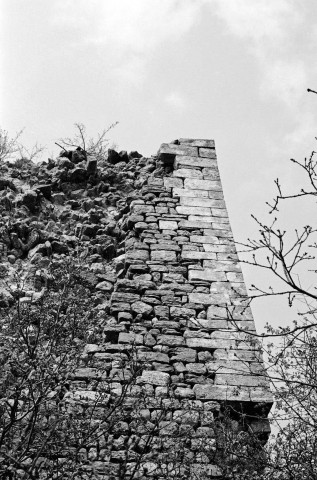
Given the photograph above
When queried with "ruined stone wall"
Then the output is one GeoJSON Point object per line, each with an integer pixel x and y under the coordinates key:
{"type": "Point", "coordinates": [174, 350]}
{"type": "Point", "coordinates": [178, 303]}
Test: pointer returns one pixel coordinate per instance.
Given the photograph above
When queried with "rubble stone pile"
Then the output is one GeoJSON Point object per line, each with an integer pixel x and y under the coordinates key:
{"type": "Point", "coordinates": [163, 270]}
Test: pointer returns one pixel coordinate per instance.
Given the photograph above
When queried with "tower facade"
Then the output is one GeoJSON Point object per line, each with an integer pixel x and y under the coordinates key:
{"type": "Point", "coordinates": [179, 309]}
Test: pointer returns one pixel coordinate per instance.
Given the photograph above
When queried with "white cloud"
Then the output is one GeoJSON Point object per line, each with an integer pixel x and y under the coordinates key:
{"type": "Point", "coordinates": [128, 31]}
{"type": "Point", "coordinates": [258, 20]}
{"type": "Point", "coordinates": [271, 28]}
{"type": "Point", "coordinates": [286, 79]}
{"type": "Point", "coordinates": [176, 101]}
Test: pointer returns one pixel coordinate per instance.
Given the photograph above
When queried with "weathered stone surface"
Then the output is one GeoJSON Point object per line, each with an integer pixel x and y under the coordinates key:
{"type": "Point", "coordinates": [163, 255]}
{"type": "Point", "coordinates": [137, 255]}
{"type": "Point", "coordinates": [140, 209]}
{"type": "Point", "coordinates": [91, 166]}
{"type": "Point", "coordinates": [223, 392]}
{"type": "Point", "coordinates": [196, 142]}
{"type": "Point", "coordinates": [169, 148]}
{"type": "Point", "coordinates": [207, 274]}
{"type": "Point", "coordinates": [241, 380]}
{"type": "Point", "coordinates": [185, 224]}
{"type": "Point", "coordinates": [207, 343]}
{"type": "Point", "coordinates": [154, 378]}
{"type": "Point", "coordinates": [207, 299]}
{"type": "Point", "coordinates": [142, 308]}
{"type": "Point", "coordinates": [168, 225]}
{"type": "Point", "coordinates": [184, 355]}
{"type": "Point", "coordinates": [161, 311]}
{"type": "Point", "coordinates": [209, 247]}
{"type": "Point", "coordinates": [125, 297]}
{"type": "Point", "coordinates": [187, 173]}
{"type": "Point", "coordinates": [78, 175]}
{"type": "Point", "coordinates": [29, 199]}
{"type": "Point", "coordinates": [186, 161]}
{"type": "Point", "coordinates": [153, 357]}
{"type": "Point", "coordinates": [181, 312]}
{"type": "Point", "coordinates": [133, 338]}
{"type": "Point", "coordinates": [235, 353]}
{"type": "Point", "coordinates": [188, 192]}
{"type": "Point", "coordinates": [46, 190]}
{"type": "Point", "coordinates": [208, 185]}
{"type": "Point", "coordinates": [186, 210]}
{"type": "Point", "coordinates": [165, 246]}
{"type": "Point", "coordinates": [104, 286]}
{"type": "Point", "coordinates": [167, 300]}
{"type": "Point", "coordinates": [173, 182]}
{"type": "Point", "coordinates": [184, 392]}
{"type": "Point", "coordinates": [207, 152]}
{"type": "Point", "coordinates": [196, 368]}
{"type": "Point", "coordinates": [170, 340]}
{"type": "Point", "coordinates": [201, 202]}
{"type": "Point", "coordinates": [233, 367]}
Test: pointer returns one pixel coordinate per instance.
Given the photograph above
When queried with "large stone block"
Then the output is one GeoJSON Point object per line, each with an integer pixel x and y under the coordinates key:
{"type": "Point", "coordinates": [219, 212]}
{"type": "Point", "coordinates": [132, 338]}
{"type": "Point", "coordinates": [172, 182]}
{"type": "Point", "coordinates": [233, 393]}
{"type": "Point", "coordinates": [187, 210]}
{"type": "Point", "coordinates": [170, 340]}
{"type": "Point", "coordinates": [204, 219]}
{"type": "Point", "coordinates": [154, 378]}
{"type": "Point", "coordinates": [193, 184]}
{"type": "Point", "coordinates": [235, 277]}
{"type": "Point", "coordinates": [183, 160]}
{"type": "Point", "coordinates": [152, 357]}
{"type": "Point", "coordinates": [183, 355]}
{"type": "Point", "coordinates": [142, 255]}
{"type": "Point", "coordinates": [204, 239]}
{"type": "Point", "coordinates": [232, 367]}
{"type": "Point", "coordinates": [187, 192]}
{"type": "Point", "coordinates": [187, 173]}
{"type": "Point", "coordinates": [207, 152]}
{"type": "Point", "coordinates": [168, 225]}
{"type": "Point", "coordinates": [186, 224]}
{"type": "Point", "coordinates": [192, 255]}
{"type": "Point", "coordinates": [207, 274]}
{"type": "Point", "coordinates": [201, 202]}
{"type": "Point", "coordinates": [198, 142]}
{"type": "Point", "coordinates": [240, 379]}
{"type": "Point", "coordinates": [207, 343]}
{"type": "Point", "coordinates": [182, 312]}
{"type": "Point", "coordinates": [163, 255]}
{"type": "Point", "coordinates": [172, 149]}
{"type": "Point", "coordinates": [141, 308]}
{"type": "Point", "coordinates": [140, 209]}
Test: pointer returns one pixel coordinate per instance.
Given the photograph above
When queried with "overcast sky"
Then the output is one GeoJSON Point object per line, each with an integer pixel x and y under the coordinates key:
{"type": "Point", "coordinates": [233, 70]}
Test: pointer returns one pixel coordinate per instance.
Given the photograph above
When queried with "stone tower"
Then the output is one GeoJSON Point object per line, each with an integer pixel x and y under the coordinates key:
{"type": "Point", "coordinates": [128, 341]}
{"type": "Point", "coordinates": [180, 305]}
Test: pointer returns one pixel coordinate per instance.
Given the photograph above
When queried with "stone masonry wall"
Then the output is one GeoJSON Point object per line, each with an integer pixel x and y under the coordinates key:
{"type": "Point", "coordinates": [170, 356]}
{"type": "Point", "coordinates": [179, 301]}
